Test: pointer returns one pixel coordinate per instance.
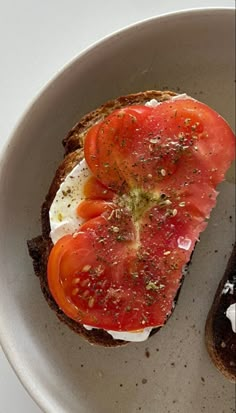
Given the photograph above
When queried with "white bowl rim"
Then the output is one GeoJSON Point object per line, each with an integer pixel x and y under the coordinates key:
{"type": "Point", "coordinates": [37, 396]}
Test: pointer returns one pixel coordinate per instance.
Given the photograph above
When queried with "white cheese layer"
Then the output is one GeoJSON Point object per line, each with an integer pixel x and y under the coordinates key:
{"type": "Point", "coordinates": [153, 102]}
{"type": "Point", "coordinates": [62, 214]}
{"type": "Point", "coordinates": [228, 288]}
{"type": "Point", "coordinates": [231, 315]}
{"type": "Point", "coordinates": [135, 336]}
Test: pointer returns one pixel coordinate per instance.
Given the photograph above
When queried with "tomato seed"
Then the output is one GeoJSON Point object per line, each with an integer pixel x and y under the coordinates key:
{"type": "Point", "coordinates": [86, 268]}
{"type": "Point", "coordinates": [75, 291]}
{"type": "Point", "coordinates": [84, 282]}
{"type": "Point", "coordinates": [187, 121]}
{"type": "Point", "coordinates": [91, 302]}
{"type": "Point", "coordinates": [85, 294]}
{"type": "Point", "coordinates": [153, 140]}
{"type": "Point", "coordinates": [115, 229]}
{"type": "Point", "coordinates": [75, 281]}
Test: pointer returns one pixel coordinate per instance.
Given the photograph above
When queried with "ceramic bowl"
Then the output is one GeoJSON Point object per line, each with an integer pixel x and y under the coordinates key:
{"type": "Point", "coordinates": [190, 52]}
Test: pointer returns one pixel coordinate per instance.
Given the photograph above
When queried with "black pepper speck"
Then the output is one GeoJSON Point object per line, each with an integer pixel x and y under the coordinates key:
{"type": "Point", "coordinates": [147, 352]}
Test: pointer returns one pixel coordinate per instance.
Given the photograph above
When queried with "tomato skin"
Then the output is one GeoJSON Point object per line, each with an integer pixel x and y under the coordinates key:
{"type": "Point", "coordinates": [106, 160]}
{"type": "Point", "coordinates": [154, 184]}
{"type": "Point", "coordinates": [94, 189]}
{"type": "Point", "coordinates": [91, 208]}
{"type": "Point", "coordinates": [137, 146]}
{"type": "Point", "coordinates": [79, 266]}
{"type": "Point", "coordinates": [54, 283]}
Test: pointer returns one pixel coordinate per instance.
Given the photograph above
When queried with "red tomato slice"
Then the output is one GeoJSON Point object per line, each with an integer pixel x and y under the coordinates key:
{"type": "Point", "coordinates": [85, 271]}
{"type": "Point", "coordinates": [141, 146]}
{"type": "Point", "coordinates": [154, 185]}
{"type": "Point", "coordinates": [94, 189]}
{"type": "Point", "coordinates": [91, 208]}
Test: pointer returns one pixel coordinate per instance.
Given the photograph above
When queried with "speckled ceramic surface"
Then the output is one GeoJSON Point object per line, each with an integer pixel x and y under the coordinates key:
{"type": "Point", "coordinates": [190, 52]}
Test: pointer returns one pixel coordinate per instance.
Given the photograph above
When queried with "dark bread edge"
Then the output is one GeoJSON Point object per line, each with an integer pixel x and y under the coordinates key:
{"type": "Point", "coordinates": [219, 336]}
{"type": "Point", "coordinates": [74, 138]}
{"type": "Point", "coordinates": [39, 247]}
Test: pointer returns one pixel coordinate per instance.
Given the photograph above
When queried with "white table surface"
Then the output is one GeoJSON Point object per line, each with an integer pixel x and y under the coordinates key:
{"type": "Point", "coordinates": [37, 38]}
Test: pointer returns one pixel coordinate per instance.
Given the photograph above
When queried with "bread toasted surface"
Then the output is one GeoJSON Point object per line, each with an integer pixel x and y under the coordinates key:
{"type": "Point", "coordinates": [40, 247]}
{"type": "Point", "coordinates": [219, 336]}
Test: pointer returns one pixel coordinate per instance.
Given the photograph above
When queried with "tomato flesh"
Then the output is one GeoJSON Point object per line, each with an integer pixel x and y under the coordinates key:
{"type": "Point", "coordinates": [94, 189]}
{"type": "Point", "coordinates": [155, 172]}
{"type": "Point", "coordinates": [91, 208]}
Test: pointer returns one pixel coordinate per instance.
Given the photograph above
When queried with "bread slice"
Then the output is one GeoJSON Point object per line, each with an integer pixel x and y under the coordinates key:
{"type": "Point", "coordinates": [39, 247]}
{"type": "Point", "coordinates": [219, 336]}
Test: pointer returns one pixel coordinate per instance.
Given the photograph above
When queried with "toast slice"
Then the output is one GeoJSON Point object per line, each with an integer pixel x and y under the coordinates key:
{"type": "Point", "coordinates": [219, 335]}
{"type": "Point", "coordinates": [39, 247]}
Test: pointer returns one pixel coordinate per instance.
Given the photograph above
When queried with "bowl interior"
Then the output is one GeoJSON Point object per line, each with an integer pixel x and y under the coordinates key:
{"type": "Point", "coordinates": [190, 52]}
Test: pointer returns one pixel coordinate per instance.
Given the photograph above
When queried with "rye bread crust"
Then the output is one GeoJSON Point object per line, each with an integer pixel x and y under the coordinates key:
{"type": "Point", "coordinates": [219, 336]}
{"type": "Point", "coordinates": [40, 247]}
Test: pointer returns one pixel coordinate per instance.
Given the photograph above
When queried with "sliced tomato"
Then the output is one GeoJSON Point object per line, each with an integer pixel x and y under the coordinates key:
{"type": "Point", "coordinates": [86, 270]}
{"type": "Point", "coordinates": [94, 189]}
{"type": "Point", "coordinates": [91, 208]}
{"type": "Point", "coordinates": [140, 146]}
{"type": "Point", "coordinates": [154, 185]}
